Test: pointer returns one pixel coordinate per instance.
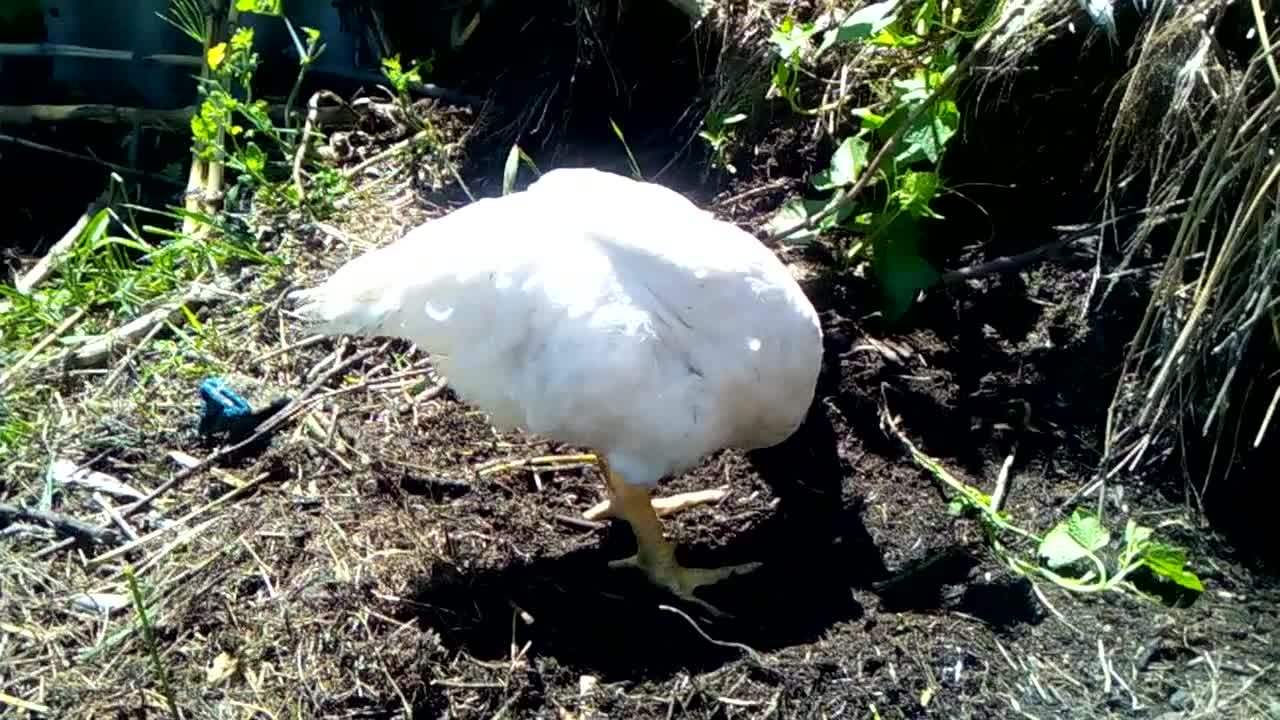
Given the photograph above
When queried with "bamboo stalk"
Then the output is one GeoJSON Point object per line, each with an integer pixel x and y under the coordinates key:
{"type": "Point", "coordinates": [327, 117]}
{"type": "Point", "coordinates": [81, 51]}
{"type": "Point", "coordinates": [195, 177]}
{"type": "Point", "coordinates": [28, 114]}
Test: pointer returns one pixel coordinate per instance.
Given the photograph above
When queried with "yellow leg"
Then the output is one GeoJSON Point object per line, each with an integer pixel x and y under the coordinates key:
{"type": "Point", "coordinates": [655, 556]}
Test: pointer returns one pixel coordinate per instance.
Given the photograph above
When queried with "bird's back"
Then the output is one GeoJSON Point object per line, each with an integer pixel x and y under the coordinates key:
{"type": "Point", "coordinates": [606, 313]}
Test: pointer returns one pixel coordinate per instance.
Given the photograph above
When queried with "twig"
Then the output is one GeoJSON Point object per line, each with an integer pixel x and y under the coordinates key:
{"type": "Point", "coordinates": [306, 342]}
{"type": "Point", "coordinates": [216, 503]}
{"type": "Point", "coordinates": [64, 524]}
{"type": "Point", "coordinates": [579, 522]}
{"type": "Point", "coordinates": [313, 111]}
{"type": "Point", "coordinates": [382, 155]}
{"type": "Point", "coordinates": [1002, 485]}
{"type": "Point", "coordinates": [1014, 263]}
{"type": "Point", "coordinates": [17, 702]}
{"type": "Point", "coordinates": [719, 643]}
{"type": "Point", "coordinates": [559, 461]}
{"type": "Point", "coordinates": [128, 358]}
{"type": "Point", "coordinates": [121, 169]}
{"type": "Point", "coordinates": [96, 350]}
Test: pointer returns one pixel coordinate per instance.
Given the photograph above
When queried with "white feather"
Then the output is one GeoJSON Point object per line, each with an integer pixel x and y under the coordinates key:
{"type": "Point", "coordinates": [597, 311]}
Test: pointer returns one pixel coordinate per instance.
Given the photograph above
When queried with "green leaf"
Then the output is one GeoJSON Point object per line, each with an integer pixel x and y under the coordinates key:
{"type": "Point", "coordinates": [790, 38]}
{"type": "Point", "coordinates": [870, 120]}
{"type": "Point", "coordinates": [1136, 535]}
{"type": "Point", "coordinates": [927, 137]}
{"type": "Point", "coordinates": [1075, 538]}
{"type": "Point", "coordinates": [862, 24]}
{"type": "Point", "coordinates": [914, 192]}
{"type": "Point", "coordinates": [255, 160]}
{"type": "Point", "coordinates": [1085, 528]}
{"type": "Point", "coordinates": [892, 37]}
{"type": "Point", "coordinates": [1058, 549]}
{"type": "Point", "coordinates": [734, 119]}
{"type": "Point", "coordinates": [312, 34]}
{"type": "Point", "coordinates": [511, 169]}
{"type": "Point", "coordinates": [898, 265]}
{"type": "Point", "coordinates": [793, 212]}
{"type": "Point", "coordinates": [1170, 562]}
{"type": "Point", "coordinates": [847, 164]}
{"type": "Point", "coordinates": [259, 7]}
{"type": "Point", "coordinates": [94, 231]}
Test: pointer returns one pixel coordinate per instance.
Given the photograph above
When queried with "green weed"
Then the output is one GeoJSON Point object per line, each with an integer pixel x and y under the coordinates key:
{"type": "Point", "coordinates": [916, 104]}
{"type": "Point", "coordinates": [1079, 554]}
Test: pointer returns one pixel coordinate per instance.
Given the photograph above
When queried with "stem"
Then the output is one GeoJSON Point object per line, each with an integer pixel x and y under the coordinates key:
{"type": "Point", "coordinates": [150, 639]}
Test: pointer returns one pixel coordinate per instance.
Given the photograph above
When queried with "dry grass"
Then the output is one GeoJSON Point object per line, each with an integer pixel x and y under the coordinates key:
{"type": "Point", "coordinates": [1192, 124]}
{"type": "Point", "coordinates": [1209, 338]}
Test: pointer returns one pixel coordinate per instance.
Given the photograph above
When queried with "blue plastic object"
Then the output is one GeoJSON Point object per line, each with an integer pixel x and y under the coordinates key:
{"type": "Point", "coordinates": [224, 410]}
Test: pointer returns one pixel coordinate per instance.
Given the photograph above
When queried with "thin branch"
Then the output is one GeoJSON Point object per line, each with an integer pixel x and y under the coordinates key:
{"type": "Point", "coordinates": [64, 524]}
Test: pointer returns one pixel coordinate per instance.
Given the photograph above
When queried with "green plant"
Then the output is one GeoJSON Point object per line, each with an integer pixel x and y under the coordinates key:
{"type": "Point", "coordinates": [1077, 554]}
{"type": "Point", "coordinates": [916, 106]}
{"type": "Point", "coordinates": [512, 167]}
{"type": "Point", "coordinates": [719, 136]}
{"type": "Point", "coordinates": [631, 158]}
{"type": "Point", "coordinates": [402, 79]}
{"type": "Point", "coordinates": [148, 637]}
{"type": "Point", "coordinates": [231, 126]}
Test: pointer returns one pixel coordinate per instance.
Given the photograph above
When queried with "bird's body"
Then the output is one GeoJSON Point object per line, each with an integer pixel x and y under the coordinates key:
{"type": "Point", "coordinates": [597, 311]}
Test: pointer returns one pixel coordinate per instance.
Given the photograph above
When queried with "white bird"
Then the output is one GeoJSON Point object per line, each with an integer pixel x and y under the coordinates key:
{"type": "Point", "coordinates": [601, 312]}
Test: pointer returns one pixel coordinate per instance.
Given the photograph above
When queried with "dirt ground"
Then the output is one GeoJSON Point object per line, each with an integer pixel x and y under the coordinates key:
{"type": "Point", "coordinates": [390, 555]}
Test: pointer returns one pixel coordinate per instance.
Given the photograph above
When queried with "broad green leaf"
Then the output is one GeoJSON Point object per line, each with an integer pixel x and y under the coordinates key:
{"type": "Point", "coordinates": [847, 164]}
{"type": "Point", "coordinates": [790, 38]}
{"type": "Point", "coordinates": [1073, 539]}
{"type": "Point", "coordinates": [1170, 562]}
{"type": "Point", "coordinates": [1058, 549]}
{"type": "Point", "coordinates": [925, 139]}
{"type": "Point", "coordinates": [862, 24]}
{"type": "Point", "coordinates": [734, 119]}
{"type": "Point", "coordinates": [914, 192]}
{"type": "Point", "coordinates": [312, 34]}
{"type": "Point", "coordinates": [1086, 529]}
{"type": "Point", "coordinates": [1135, 534]}
{"type": "Point", "coordinates": [898, 265]}
{"type": "Point", "coordinates": [255, 160]}
{"type": "Point", "coordinates": [791, 213]}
